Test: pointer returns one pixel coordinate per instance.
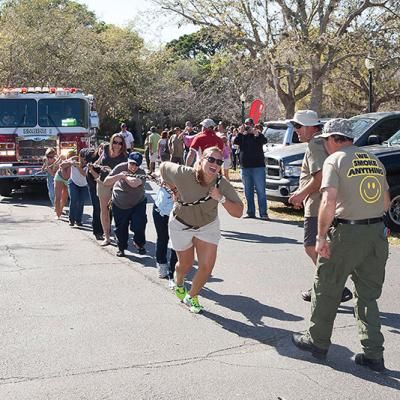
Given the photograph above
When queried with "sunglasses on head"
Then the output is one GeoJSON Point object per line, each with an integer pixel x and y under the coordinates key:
{"type": "Point", "coordinates": [213, 160]}
{"type": "Point", "coordinates": [297, 126]}
{"type": "Point", "coordinates": [115, 142]}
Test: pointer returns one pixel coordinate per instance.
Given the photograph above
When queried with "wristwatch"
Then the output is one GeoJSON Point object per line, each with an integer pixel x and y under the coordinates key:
{"type": "Point", "coordinates": [222, 200]}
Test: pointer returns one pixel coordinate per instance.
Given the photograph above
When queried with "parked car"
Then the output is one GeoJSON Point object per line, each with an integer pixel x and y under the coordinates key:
{"type": "Point", "coordinates": [283, 165]}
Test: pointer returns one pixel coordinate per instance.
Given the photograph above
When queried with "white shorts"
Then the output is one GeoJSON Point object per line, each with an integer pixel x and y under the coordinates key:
{"type": "Point", "coordinates": [182, 237]}
{"type": "Point", "coordinates": [154, 157]}
{"type": "Point", "coordinates": [227, 163]}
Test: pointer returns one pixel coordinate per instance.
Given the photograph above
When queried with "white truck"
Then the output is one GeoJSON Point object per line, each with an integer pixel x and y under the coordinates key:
{"type": "Point", "coordinates": [35, 118]}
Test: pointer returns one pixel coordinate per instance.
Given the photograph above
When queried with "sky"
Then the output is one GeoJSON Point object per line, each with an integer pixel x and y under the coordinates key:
{"type": "Point", "coordinates": [155, 27]}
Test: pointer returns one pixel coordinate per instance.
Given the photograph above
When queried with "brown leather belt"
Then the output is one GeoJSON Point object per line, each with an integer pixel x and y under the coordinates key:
{"type": "Point", "coordinates": [368, 221]}
{"type": "Point", "coordinates": [184, 223]}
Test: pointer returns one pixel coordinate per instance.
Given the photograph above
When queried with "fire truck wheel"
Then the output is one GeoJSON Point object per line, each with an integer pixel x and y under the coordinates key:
{"type": "Point", "coordinates": [5, 189]}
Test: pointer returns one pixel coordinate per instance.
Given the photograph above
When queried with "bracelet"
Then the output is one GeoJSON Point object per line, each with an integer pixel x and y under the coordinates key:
{"type": "Point", "coordinates": [319, 238]}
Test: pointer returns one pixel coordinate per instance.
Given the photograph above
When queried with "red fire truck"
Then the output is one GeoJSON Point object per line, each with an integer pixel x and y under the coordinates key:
{"type": "Point", "coordinates": [35, 118]}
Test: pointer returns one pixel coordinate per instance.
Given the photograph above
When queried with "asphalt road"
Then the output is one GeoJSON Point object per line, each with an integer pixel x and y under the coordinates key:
{"type": "Point", "coordinates": [79, 323]}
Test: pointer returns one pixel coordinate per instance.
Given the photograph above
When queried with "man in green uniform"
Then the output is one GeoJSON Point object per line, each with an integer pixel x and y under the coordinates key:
{"type": "Point", "coordinates": [308, 126]}
{"type": "Point", "coordinates": [351, 241]}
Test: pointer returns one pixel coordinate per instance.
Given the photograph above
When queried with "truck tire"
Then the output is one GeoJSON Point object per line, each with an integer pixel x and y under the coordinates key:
{"type": "Point", "coordinates": [5, 189]}
{"type": "Point", "coordinates": [393, 215]}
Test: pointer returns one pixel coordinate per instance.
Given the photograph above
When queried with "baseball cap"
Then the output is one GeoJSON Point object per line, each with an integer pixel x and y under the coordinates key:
{"type": "Point", "coordinates": [249, 121]}
{"type": "Point", "coordinates": [123, 125]}
{"type": "Point", "coordinates": [207, 123]}
{"type": "Point", "coordinates": [306, 118]}
{"type": "Point", "coordinates": [136, 158]}
{"type": "Point", "coordinates": [338, 126]}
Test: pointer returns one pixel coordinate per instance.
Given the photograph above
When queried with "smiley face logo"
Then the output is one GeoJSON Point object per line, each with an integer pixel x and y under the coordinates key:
{"type": "Point", "coordinates": [370, 189]}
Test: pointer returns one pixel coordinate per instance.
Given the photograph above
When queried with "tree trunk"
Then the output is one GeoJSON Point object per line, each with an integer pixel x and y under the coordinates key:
{"type": "Point", "coordinates": [316, 97]}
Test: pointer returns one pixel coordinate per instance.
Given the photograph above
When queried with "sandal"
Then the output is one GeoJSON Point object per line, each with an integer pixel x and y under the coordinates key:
{"type": "Point", "coordinates": [105, 242]}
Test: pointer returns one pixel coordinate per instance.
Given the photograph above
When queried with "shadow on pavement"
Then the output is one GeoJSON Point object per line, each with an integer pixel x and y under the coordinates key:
{"type": "Point", "coordinates": [254, 238]}
{"type": "Point", "coordinates": [251, 308]}
{"type": "Point", "coordinates": [387, 319]}
{"type": "Point", "coordinates": [339, 357]}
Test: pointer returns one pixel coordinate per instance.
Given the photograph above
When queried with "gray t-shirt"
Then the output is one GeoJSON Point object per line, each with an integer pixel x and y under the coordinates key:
{"type": "Point", "coordinates": [360, 180]}
{"type": "Point", "coordinates": [190, 190]}
{"type": "Point", "coordinates": [312, 163]}
{"type": "Point", "coordinates": [125, 196]}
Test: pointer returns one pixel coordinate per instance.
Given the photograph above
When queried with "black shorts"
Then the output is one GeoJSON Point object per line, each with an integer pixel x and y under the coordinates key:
{"type": "Point", "coordinates": [310, 231]}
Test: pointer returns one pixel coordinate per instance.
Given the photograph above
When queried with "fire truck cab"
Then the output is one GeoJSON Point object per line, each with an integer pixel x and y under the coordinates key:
{"type": "Point", "coordinates": [33, 119]}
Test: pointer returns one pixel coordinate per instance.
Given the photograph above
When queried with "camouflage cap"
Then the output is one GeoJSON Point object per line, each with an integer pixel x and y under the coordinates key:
{"type": "Point", "coordinates": [338, 126]}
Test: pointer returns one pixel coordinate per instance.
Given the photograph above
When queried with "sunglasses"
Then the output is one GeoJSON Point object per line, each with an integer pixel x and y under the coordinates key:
{"type": "Point", "coordinates": [213, 160]}
{"type": "Point", "coordinates": [115, 142]}
{"type": "Point", "coordinates": [50, 157]}
{"type": "Point", "coordinates": [297, 126]}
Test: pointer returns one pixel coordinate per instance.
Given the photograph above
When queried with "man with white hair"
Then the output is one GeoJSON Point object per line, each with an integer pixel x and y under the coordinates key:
{"type": "Point", "coordinates": [203, 140]}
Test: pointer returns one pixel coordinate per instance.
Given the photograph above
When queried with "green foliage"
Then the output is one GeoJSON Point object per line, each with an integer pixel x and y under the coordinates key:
{"type": "Point", "coordinates": [202, 44]}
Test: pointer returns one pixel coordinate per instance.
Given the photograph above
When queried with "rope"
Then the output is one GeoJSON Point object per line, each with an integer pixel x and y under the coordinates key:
{"type": "Point", "coordinates": [174, 192]}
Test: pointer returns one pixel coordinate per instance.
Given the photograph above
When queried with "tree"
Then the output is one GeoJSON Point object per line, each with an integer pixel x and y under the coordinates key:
{"type": "Point", "coordinates": [297, 44]}
{"type": "Point", "coordinates": [60, 43]}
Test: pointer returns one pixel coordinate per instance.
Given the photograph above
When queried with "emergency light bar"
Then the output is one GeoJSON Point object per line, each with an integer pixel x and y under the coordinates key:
{"type": "Point", "coordinates": [45, 89]}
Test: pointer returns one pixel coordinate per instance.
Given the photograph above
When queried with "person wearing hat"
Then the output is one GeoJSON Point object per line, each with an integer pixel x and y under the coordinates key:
{"type": "Point", "coordinates": [307, 126]}
{"type": "Point", "coordinates": [128, 137]}
{"type": "Point", "coordinates": [251, 156]}
{"type": "Point", "coordinates": [129, 203]}
{"type": "Point", "coordinates": [351, 241]}
{"type": "Point", "coordinates": [205, 139]}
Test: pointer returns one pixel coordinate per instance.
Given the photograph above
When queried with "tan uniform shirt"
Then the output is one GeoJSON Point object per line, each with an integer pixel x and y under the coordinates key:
{"type": "Point", "coordinates": [184, 179]}
{"type": "Point", "coordinates": [312, 163]}
{"type": "Point", "coordinates": [360, 180]}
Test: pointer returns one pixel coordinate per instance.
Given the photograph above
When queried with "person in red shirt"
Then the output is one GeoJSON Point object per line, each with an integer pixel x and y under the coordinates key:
{"type": "Point", "coordinates": [207, 138]}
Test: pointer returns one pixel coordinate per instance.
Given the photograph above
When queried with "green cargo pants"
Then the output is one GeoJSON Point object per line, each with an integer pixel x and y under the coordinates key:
{"type": "Point", "coordinates": [360, 251]}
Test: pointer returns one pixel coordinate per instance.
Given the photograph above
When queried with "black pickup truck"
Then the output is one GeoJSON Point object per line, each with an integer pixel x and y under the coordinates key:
{"type": "Point", "coordinates": [283, 165]}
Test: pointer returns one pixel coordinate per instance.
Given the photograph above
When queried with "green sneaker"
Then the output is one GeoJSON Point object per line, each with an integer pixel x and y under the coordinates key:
{"type": "Point", "coordinates": [193, 303]}
{"type": "Point", "coordinates": [180, 292]}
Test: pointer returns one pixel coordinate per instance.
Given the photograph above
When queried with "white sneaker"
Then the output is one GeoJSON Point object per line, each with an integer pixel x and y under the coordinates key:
{"type": "Point", "coordinates": [163, 270]}
{"type": "Point", "coordinates": [171, 284]}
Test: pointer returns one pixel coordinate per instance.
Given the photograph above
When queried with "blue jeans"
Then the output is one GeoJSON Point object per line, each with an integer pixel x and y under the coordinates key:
{"type": "Point", "coordinates": [254, 178]}
{"type": "Point", "coordinates": [50, 188]}
{"type": "Point", "coordinates": [96, 222]}
{"type": "Point", "coordinates": [136, 219]}
{"type": "Point", "coordinates": [77, 196]}
{"type": "Point", "coordinates": [161, 225]}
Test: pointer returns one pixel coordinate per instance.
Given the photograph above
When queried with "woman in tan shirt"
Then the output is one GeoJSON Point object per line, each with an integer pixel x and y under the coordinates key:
{"type": "Point", "coordinates": [194, 223]}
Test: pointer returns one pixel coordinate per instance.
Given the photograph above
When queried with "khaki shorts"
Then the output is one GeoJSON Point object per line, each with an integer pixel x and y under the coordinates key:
{"type": "Point", "coordinates": [104, 192]}
{"type": "Point", "coordinates": [182, 237]}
